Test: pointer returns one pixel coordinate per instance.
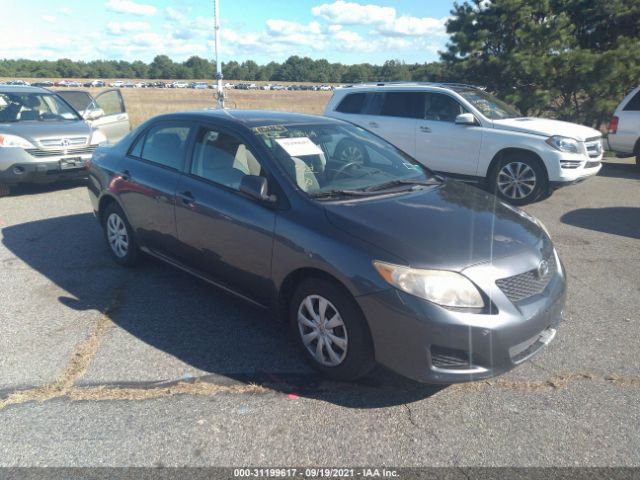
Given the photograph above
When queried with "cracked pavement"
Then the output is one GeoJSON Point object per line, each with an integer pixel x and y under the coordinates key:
{"type": "Point", "coordinates": [106, 366]}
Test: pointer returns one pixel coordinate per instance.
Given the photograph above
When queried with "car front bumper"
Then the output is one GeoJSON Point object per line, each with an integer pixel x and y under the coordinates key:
{"type": "Point", "coordinates": [22, 167]}
{"type": "Point", "coordinates": [432, 344]}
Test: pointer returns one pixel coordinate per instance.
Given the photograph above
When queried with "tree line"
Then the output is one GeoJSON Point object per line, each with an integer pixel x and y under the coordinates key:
{"type": "Point", "coordinates": [569, 59]}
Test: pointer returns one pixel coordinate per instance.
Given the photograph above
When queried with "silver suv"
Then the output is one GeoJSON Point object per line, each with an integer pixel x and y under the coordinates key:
{"type": "Point", "coordinates": [463, 131]}
{"type": "Point", "coordinates": [624, 128]}
{"type": "Point", "coordinates": [44, 137]}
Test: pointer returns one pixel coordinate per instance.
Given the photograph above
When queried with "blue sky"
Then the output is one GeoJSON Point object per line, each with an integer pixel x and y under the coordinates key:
{"type": "Point", "coordinates": [347, 31]}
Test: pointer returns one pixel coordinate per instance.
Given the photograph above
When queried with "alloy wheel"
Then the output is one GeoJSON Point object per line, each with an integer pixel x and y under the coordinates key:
{"type": "Point", "coordinates": [516, 180]}
{"type": "Point", "coordinates": [351, 153]}
{"type": "Point", "coordinates": [322, 330]}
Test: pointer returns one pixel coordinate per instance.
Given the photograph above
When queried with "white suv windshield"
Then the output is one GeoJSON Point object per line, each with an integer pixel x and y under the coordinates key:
{"type": "Point", "coordinates": [27, 106]}
{"type": "Point", "coordinates": [329, 158]}
{"type": "Point", "coordinates": [487, 104]}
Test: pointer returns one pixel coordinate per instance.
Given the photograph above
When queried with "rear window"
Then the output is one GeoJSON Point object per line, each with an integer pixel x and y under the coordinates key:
{"type": "Point", "coordinates": [403, 104]}
{"type": "Point", "coordinates": [633, 105]}
{"type": "Point", "coordinates": [352, 103]}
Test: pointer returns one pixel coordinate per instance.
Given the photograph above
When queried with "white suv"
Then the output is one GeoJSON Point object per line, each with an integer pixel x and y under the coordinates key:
{"type": "Point", "coordinates": [624, 128]}
{"type": "Point", "coordinates": [464, 132]}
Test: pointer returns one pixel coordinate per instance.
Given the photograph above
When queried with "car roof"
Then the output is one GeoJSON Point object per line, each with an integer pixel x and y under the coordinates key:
{"type": "Point", "coordinates": [250, 118]}
{"type": "Point", "coordinates": [408, 86]}
{"type": "Point", "coordinates": [22, 89]}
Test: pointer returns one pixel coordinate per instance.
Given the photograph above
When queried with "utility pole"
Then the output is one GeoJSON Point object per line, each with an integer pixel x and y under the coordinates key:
{"type": "Point", "coordinates": [219, 76]}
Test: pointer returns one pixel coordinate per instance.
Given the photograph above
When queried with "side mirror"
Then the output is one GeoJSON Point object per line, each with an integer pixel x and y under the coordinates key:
{"type": "Point", "coordinates": [93, 114]}
{"type": "Point", "coordinates": [256, 187]}
{"type": "Point", "coordinates": [466, 119]}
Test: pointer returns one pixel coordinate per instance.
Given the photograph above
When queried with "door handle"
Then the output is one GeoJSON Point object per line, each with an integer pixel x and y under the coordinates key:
{"type": "Point", "coordinates": [187, 198]}
{"type": "Point", "coordinates": [373, 124]}
{"type": "Point", "coordinates": [425, 129]}
{"type": "Point", "coordinates": [125, 175]}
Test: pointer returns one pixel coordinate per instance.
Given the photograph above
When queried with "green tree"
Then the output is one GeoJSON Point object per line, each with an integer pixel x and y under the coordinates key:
{"type": "Point", "coordinates": [162, 67]}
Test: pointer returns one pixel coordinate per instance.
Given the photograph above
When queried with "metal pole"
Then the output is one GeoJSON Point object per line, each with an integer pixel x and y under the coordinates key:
{"type": "Point", "coordinates": [219, 76]}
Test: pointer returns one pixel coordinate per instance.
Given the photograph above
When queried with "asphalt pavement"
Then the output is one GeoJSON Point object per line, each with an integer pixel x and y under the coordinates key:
{"type": "Point", "coordinates": [106, 366]}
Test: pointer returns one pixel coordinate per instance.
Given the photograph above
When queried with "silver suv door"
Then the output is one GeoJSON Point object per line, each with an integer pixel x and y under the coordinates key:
{"type": "Point", "coordinates": [114, 122]}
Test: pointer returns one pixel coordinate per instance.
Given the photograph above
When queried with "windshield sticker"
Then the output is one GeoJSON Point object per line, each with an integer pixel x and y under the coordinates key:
{"type": "Point", "coordinates": [299, 146]}
{"type": "Point", "coordinates": [269, 129]}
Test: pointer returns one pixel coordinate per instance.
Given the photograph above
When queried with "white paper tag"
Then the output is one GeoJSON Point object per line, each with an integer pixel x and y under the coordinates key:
{"type": "Point", "coordinates": [299, 146]}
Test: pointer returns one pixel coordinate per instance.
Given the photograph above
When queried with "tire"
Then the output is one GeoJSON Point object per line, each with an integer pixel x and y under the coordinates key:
{"type": "Point", "coordinates": [519, 179]}
{"type": "Point", "coordinates": [4, 190]}
{"type": "Point", "coordinates": [119, 236]}
{"type": "Point", "coordinates": [349, 151]}
{"type": "Point", "coordinates": [347, 359]}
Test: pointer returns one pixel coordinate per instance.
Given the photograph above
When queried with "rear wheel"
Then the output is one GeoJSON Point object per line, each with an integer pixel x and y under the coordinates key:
{"type": "Point", "coordinates": [119, 236]}
{"type": "Point", "coordinates": [348, 151]}
{"type": "Point", "coordinates": [331, 330]}
{"type": "Point", "coordinates": [519, 179]}
{"type": "Point", "coordinates": [4, 190]}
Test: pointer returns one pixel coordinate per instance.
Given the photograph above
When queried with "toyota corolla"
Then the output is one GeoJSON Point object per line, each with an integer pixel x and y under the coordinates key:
{"type": "Point", "coordinates": [369, 260]}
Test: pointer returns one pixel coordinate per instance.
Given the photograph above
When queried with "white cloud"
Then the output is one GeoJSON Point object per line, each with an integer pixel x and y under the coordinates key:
{"type": "Point", "coordinates": [349, 13]}
{"type": "Point", "coordinates": [173, 14]}
{"type": "Point", "coordinates": [414, 26]}
{"type": "Point", "coordinates": [65, 10]}
{"type": "Point", "coordinates": [131, 7]}
{"type": "Point", "coordinates": [118, 28]}
{"type": "Point", "coordinates": [48, 18]}
{"type": "Point", "coordinates": [348, 41]}
{"type": "Point", "coordinates": [285, 27]}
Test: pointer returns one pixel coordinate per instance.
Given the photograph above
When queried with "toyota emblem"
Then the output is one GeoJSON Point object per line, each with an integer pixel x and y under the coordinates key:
{"type": "Point", "coordinates": [543, 269]}
{"type": "Point", "coordinates": [65, 142]}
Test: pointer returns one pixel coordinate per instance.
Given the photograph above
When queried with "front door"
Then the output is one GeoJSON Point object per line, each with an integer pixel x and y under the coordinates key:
{"type": "Point", "coordinates": [222, 232]}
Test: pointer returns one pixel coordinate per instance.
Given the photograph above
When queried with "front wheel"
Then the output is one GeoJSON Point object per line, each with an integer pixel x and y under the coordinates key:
{"type": "Point", "coordinates": [331, 330]}
{"type": "Point", "coordinates": [119, 236]}
{"type": "Point", "coordinates": [518, 180]}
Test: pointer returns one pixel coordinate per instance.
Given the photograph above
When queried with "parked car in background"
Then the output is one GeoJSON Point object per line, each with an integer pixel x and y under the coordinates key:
{"type": "Point", "coordinates": [463, 131]}
{"type": "Point", "coordinates": [43, 138]}
{"type": "Point", "coordinates": [95, 83]}
{"type": "Point", "coordinates": [624, 128]}
{"type": "Point", "coordinates": [200, 85]}
{"type": "Point", "coordinates": [43, 84]}
{"type": "Point", "coordinates": [117, 83]}
{"type": "Point", "coordinates": [369, 260]}
{"type": "Point", "coordinates": [18, 83]}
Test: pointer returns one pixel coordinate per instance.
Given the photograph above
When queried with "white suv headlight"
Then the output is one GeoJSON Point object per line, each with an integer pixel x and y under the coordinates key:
{"type": "Point", "coordinates": [8, 141]}
{"type": "Point", "coordinates": [449, 289]}
{"type": "Point", "coordinates": [564, 144]}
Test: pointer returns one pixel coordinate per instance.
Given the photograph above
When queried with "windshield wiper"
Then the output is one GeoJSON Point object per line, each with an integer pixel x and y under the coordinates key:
{"type": "Point", "coordinates": [341, 193]}
{"type": "Point", "coordinates": [394, 183]}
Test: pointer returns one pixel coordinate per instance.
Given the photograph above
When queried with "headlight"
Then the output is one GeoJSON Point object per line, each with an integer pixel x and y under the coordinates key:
{"type": "Point", "coordinates": [449, 289]}
{"type": "Point", "coordinates": [528, 216]}
{"type": "Point", "coordinates": [564, 144]}
{"type": "Point", "coordinates": [14, 141]}
{"type": "Point", "coordinates": [98, 137]}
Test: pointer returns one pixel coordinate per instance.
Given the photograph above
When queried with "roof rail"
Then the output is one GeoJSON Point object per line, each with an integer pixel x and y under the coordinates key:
{"type": "Point", "coordinates": [410, 83]}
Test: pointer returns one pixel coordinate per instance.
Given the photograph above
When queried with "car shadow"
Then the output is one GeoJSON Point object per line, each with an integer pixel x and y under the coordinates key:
{"type": "Point", "coordinates": [35, 188]}
{"type": "Point", "coordinates": [623, 221]}
{"type": "Point", "coordinates": [186, 318]}
{"type": "Point", "coordinates": [629, 171]}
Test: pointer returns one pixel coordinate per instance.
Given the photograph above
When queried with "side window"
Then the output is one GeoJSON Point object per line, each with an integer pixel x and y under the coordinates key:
{"type": "Point", "coordinates": [352, 103]}
{"type": "Point", "coordinates": [222, 158]}
{"type": "Point", "coordinates": [136, 149]}
{"type": "Point", "coordinates": [164, 145]}
{"type": "Point", "coordinates": [111, 102]}
{"type": "Point", "coordinates": [442, 107]}
{"type": "Point", "coordinates": [633, 105]}
{"type": "Point", "coordinates": [403, 104]}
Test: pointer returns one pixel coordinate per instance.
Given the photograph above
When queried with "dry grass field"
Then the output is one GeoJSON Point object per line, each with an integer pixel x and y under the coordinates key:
{"type": "Point", "coordinates": [143, 103]}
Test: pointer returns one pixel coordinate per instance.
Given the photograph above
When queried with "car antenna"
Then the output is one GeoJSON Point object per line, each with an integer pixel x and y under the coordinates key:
{"type": "Point", "coordinates": [219, 76]}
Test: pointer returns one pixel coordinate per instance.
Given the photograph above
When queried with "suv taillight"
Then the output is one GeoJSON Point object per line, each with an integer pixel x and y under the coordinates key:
{"type": "Point", "coordinates": [613, 125]}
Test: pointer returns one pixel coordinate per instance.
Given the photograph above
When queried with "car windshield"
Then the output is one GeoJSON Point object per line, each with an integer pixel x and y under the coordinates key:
{"type": "Point", "coordinates": [29, 106]}
{"type": "Point", "coordinates": [489, 106]}
{"type": "Point", "coordinates": [332, 159]}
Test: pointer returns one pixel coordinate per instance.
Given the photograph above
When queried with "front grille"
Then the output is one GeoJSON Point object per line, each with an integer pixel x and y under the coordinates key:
{"type": "Point", "coordinates": [527, 284]}
{"type": "Point", "coordinates": [443, 357]}
{"type": "Point", "coordinates": [59, 142]}
{"type": "Point", "coordinates": [39, 153]}
{"type": "Point", "coordinates": [591, 164]}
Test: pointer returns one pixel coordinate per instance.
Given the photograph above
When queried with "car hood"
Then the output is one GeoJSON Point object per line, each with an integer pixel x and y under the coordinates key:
{"type": "Point", "coordinates": [36, 131]}
{"type": "Point", "coordinates": [546, 127]}
{"type": "Point", "coordinates": [452, 226]}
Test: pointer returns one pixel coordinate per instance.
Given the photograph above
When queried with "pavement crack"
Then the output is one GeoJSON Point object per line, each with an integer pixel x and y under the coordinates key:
{"type": "Point", "coordinates": [410, 417]}
{"type": "Point", "coordinates": [76, 366]}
